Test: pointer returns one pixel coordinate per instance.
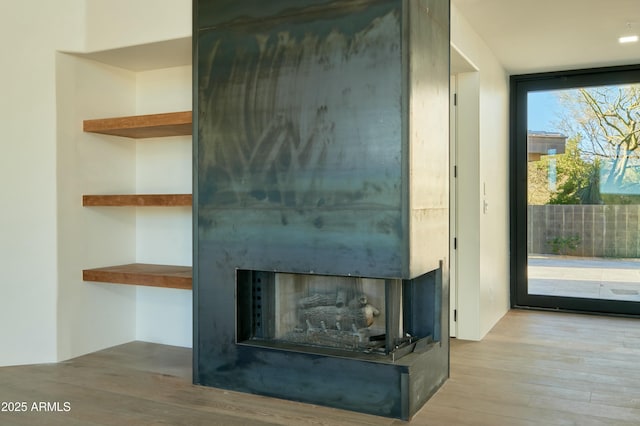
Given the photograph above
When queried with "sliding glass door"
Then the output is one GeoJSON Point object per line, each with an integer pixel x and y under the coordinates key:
{"type": "Point", "coordinates": [575, 191]}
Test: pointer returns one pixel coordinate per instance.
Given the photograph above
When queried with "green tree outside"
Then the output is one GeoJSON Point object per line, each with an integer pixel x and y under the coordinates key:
{"type": "Point", "coordinates": [601, 162]}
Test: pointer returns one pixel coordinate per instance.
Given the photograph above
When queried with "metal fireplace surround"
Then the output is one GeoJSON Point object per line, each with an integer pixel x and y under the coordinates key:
{"type": "Point", "coordinates": [321, 200]}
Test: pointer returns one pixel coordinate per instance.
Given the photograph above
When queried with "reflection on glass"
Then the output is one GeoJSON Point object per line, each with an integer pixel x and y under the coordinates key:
{"type": "Point", "coordinates": [553, 171]}
{"type": "Point", "coordinates": [584, 192]}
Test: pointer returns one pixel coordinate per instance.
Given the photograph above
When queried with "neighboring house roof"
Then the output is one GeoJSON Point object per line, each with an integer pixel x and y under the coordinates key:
{"type": "Point", "coordinates": [544, 143]}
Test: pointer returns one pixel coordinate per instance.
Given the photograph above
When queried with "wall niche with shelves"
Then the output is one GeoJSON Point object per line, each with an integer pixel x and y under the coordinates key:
{"type": "Point", "coordinates": [124, 157]}
{"type": "Point", "coordinates": [144, 126]}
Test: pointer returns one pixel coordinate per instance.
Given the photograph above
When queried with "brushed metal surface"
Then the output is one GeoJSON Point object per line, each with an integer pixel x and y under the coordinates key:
{"type": "Point", "coordinates": [300, 143]}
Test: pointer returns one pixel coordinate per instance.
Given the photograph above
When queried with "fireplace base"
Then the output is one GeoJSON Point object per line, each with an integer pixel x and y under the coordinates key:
{"type": "Point", "coordinates": [380, 388]}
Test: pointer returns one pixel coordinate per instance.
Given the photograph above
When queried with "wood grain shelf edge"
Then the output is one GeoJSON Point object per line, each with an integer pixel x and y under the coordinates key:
{"type": "Point", "coordinates": [144, 274]}
{"type": "Point", "coordinates": [137, 200]}
{"type": "Point", "coordinates": [143, 126]}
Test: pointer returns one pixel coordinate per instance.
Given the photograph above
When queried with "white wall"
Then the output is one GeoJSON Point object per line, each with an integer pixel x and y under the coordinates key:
{"type": "Point", "coordinates": [30, 33]}
{"type": "Point", "coordinates": [119, 23]}
{"type": "Point", "coordinates": [483, 232]}
{"type": "Point", "coordinates": [92, 316]}
{"type": "Point", "coordinates": [494, 194]}
{"type": "Point", "coordinates": [163, 235]}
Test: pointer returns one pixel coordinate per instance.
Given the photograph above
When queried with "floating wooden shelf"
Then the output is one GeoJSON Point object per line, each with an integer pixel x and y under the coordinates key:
{"type": "Point", "coordinates": [143, 126]}
{"type": "Point", "coordinates": [137, 200]}
{"type": "Point", "coordinates": [167, 276]}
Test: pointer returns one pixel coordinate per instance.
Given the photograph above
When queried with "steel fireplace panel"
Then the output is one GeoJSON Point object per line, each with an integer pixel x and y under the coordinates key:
{"type": "Point", "coordinates": [300, 149]}
{"type": "Point", "coordinates": [321, 200]}
{"type": "Point", "coordinates": [222, 12]}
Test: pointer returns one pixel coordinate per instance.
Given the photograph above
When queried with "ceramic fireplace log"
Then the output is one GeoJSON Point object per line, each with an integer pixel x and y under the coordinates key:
{"type": "Point", "coordinates": [317, 300]}
{"type": "Point", "coordinates": [331, 316]}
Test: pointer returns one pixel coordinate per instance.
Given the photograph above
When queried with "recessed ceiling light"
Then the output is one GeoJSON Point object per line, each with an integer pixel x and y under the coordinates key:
{"type": "Point", "coordinates": [628, 39]}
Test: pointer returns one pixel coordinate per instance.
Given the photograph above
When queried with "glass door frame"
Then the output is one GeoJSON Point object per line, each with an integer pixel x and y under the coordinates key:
{"type": "Point", "coordinates": [521, 85]}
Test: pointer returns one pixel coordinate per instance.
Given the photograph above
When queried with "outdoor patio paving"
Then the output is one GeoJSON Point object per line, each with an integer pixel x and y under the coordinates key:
{"type": "Point", "coordinates": [594, 278]}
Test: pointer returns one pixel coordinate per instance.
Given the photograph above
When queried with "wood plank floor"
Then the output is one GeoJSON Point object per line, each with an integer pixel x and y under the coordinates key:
{"type": "Point", "coordinates": [534, 368]}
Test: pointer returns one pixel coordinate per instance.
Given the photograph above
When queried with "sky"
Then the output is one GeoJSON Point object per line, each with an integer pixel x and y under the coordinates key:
{"type": "Point", "coordinates": [543, 108]}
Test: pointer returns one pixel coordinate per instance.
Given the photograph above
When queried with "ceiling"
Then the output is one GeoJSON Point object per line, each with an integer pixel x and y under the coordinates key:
{"type": "Point", "coordinates": [530, 36]}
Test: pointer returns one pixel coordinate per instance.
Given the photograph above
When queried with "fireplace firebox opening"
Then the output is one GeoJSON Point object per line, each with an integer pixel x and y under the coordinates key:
{"type": "Point", "coordinates": [382, 319]}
